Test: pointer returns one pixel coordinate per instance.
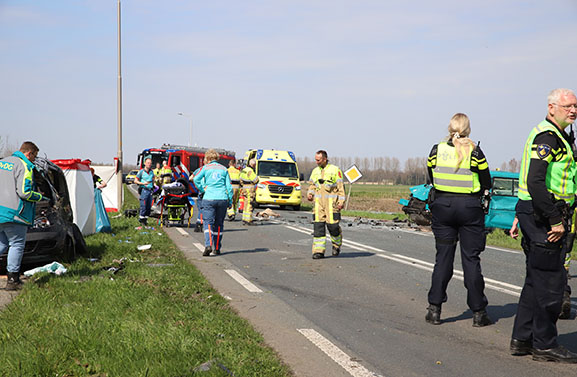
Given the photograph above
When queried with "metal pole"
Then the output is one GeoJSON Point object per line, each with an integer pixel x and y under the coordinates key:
{"type": "Point", "coordinates": [348, 196]}
{"type": "Point", "coordinates": [119, 120]}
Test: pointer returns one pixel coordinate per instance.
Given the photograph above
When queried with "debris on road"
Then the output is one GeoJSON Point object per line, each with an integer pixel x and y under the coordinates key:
{"type": "Point", "coordinates": [267, 213]}
{"type": "Point", "coordinates": [54, 268]}
{"type": "Point", "coordinates": [206, 367]}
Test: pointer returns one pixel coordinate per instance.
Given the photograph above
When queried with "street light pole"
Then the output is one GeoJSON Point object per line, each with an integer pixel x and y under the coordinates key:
{"type": "Point", "coordinates": [188, 116]}
{"type": "Point", "coordinates": [119, 192]}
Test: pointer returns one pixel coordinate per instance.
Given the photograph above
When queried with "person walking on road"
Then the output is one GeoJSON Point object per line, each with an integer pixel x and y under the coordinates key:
{"type": "Point", "coordinates": [460, 174]}
{"type": "Point", "coordinates": [17, 207]}
{"type": "Point", "coordinates": [198, 225]}
{"type": "Point", "coordinates": [145, 179]}
{"type": "Point", "coordinates": [546, 198]}
{"type": "Point", "coordinates": [213, 181]}
{"type": "Point", "coordinates": [249, 180]}
{"type": "Point", "coordinates": [234, 174]}
{"type": "Point", "coordinates": [328, 191]}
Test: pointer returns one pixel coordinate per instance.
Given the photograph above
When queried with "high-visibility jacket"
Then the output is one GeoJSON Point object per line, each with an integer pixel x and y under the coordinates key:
{"type": "Point", "coordinates": [164, 171]}
{"type": "Point", "coordinates": [327, 182]}
{"type": "Point", "coordinates": [249, 178]}
{"type": "Point", "coordinates": [451, 176]}
{"type": "Point", "coordinates": [234, 174]}
{"type": "Point", "coordinates": [560, 171]}
{"type": "Point", "coordinates": [17, 190]}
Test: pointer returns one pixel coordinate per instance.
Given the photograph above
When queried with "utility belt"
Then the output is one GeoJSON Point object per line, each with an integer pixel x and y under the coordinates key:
{"type": "Point", "coordinates": [484, 197]}
{"type": "Point", "coordinates": [566, 210]}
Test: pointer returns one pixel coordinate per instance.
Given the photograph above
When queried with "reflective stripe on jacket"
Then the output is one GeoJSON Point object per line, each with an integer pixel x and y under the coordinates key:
{"type": "Point", "coordinates": [560, 172]}
{"type": "Point", "coordinates": [327, 182]}
{"type": "Point", "coordinates": [248, 177]}
{"type": "Point", "coordinates": [451, 176]}
{"type": "Point", "coordinates": [17, 190]}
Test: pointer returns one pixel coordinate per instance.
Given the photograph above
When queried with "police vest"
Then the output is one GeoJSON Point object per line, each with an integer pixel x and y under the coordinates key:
{"type": "Point", "coordinates": [450, 175]}
{"type": "Point", "coordinates": [560, 172]}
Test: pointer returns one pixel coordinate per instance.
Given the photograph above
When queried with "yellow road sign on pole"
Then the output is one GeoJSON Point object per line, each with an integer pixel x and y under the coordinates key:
{"type": "Point", "coordinates": [353, 174]}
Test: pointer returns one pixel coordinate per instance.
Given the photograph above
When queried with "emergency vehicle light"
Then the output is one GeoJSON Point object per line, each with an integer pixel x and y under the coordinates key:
{"type": "Point", "coordinates": [258, 154]}
{"type": "Point", "coordinates": [292, 156]}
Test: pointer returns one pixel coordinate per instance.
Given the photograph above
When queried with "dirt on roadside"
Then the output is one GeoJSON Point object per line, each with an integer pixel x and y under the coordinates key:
{"type": "Point", "coordinates": [5, 296]}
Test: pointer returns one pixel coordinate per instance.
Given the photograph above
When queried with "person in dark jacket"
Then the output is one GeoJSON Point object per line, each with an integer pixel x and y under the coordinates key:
{"type": "Point", "coordinates": [460, 175]}
{"type": "Point", "coordinates": [546, 198]}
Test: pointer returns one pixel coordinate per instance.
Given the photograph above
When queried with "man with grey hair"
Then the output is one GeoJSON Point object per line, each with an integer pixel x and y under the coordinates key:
{"type": "Point", "coordinates": [546, 198]}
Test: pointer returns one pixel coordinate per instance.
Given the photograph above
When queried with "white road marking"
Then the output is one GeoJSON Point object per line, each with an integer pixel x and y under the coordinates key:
{"type": "Point", "coordinates": [505, 250]}
{"type": "Point", "coordinates": [242, 281]}
{"type": "Point", "coordinates": [459, 275]}
{"type": "Point", "coordinates": [335, 353]}
{"type": "Point", "coordinates": [496, 285]}
{"type": "Point", "coordinates": [306, 231]}
{"type": "Point", "coordinates": [199, 246]}
{"type": "Point", "coordinates": [182, 231]}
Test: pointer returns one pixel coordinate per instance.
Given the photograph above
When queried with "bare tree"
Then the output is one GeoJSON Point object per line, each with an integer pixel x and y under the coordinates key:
{"type": "Point", "coordinates": [6, 147]}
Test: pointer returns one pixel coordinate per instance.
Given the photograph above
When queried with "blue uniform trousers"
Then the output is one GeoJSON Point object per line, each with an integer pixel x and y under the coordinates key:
{"type": "Point", "coordinates": [214, 212]}
{"type": "Point", "coordinates": [458, 218]}
{"type": "Point", "coordinates": [542, 295]}
{"type": "Point", "coordinates": [145, 202]}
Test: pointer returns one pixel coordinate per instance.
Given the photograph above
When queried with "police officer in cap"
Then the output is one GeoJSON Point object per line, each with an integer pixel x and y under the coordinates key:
{"type": "Point", "coordinates": [546, 195]}
{"type": "Point", "coordinates": [460, 174]}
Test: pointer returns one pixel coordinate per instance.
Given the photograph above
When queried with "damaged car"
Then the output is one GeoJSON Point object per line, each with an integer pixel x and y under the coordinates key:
{"type": "Point", "coordinates": [54, 236]}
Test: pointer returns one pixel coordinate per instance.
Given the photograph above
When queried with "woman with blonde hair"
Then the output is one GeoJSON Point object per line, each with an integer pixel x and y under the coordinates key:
{"type": "Point", "coordinates": [213, 182]}
{"type": "Point", "coordinates": [459, 173]}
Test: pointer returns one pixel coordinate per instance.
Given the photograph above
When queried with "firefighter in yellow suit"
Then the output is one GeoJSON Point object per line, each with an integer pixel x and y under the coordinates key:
{"type": "Point", "coordinates": [328, 191]}
{"type": "Point", "coordinates": [234, 174]}
{"type": "Point", "coordinates": [249, 180]}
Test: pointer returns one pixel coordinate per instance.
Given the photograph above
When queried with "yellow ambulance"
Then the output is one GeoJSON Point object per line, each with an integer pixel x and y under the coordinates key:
{"type": "Point", "coordinates": [279, 178]}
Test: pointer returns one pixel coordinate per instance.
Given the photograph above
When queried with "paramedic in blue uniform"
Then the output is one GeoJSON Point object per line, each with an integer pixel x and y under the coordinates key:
{"type": "Point", "coordinates": [145, 179]}
{"type": "Point", "coordinates": [460, 175]}
{"type": "Point", "coordinates": [546, 195]}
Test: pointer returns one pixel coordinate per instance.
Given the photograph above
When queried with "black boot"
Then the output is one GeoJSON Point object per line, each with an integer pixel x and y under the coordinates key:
{"type": "Point", "coordinates": [433, 314]}
{"type": "Point", "coordinates": [207, 251]}
{"type": "Point", "coordinates": [13, 283]}
{"type": "Point", "coordinates": [336, 250]}
{"type": "Point", "coordinates": [566, 306]}
{"type": "Point", "coordinates": [481, 319]}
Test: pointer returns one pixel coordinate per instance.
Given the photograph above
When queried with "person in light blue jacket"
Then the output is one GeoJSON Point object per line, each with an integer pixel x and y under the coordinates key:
{"type": "Point", "coordinates": [18, 199]}
{"type": "Point", "coordinates": [213, 182]}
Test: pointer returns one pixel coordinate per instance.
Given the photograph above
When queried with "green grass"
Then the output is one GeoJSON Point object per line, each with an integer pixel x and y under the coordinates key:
{"type": "Point", "coordinates": [378, 191]}
{"type": "Point", "coordinates": [142, 321]}
{"type": "Point", "coordinates": [499, 238]}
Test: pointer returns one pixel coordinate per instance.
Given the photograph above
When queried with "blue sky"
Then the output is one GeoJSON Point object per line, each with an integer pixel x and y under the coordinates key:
{"type": "Point", "coordinates": [358, 78]}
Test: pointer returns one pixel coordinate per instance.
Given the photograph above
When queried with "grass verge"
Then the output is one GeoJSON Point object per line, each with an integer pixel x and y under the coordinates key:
{"type": "Point", "coordinates": [155, 316]}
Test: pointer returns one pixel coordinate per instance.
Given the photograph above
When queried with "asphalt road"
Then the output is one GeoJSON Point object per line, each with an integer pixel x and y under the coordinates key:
{"type": "Point", "coordinates": [362, 313]}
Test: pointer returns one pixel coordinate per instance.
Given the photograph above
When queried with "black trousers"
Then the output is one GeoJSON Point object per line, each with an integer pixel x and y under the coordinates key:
{"type": "Point", "coordinates": [542, 294]}
{"type": "Point", "coordinates": [458, 218]}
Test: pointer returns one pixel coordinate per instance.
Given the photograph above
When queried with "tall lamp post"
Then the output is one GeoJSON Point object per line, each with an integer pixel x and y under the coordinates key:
{"type": "Point", "coordinates": [188, 116]}
{"type": "Point", "coordinates": [119, 121]}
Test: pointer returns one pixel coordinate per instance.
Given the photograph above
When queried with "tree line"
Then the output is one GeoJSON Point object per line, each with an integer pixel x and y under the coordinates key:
{"type": "Point", "coordinates": [389, 170]}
